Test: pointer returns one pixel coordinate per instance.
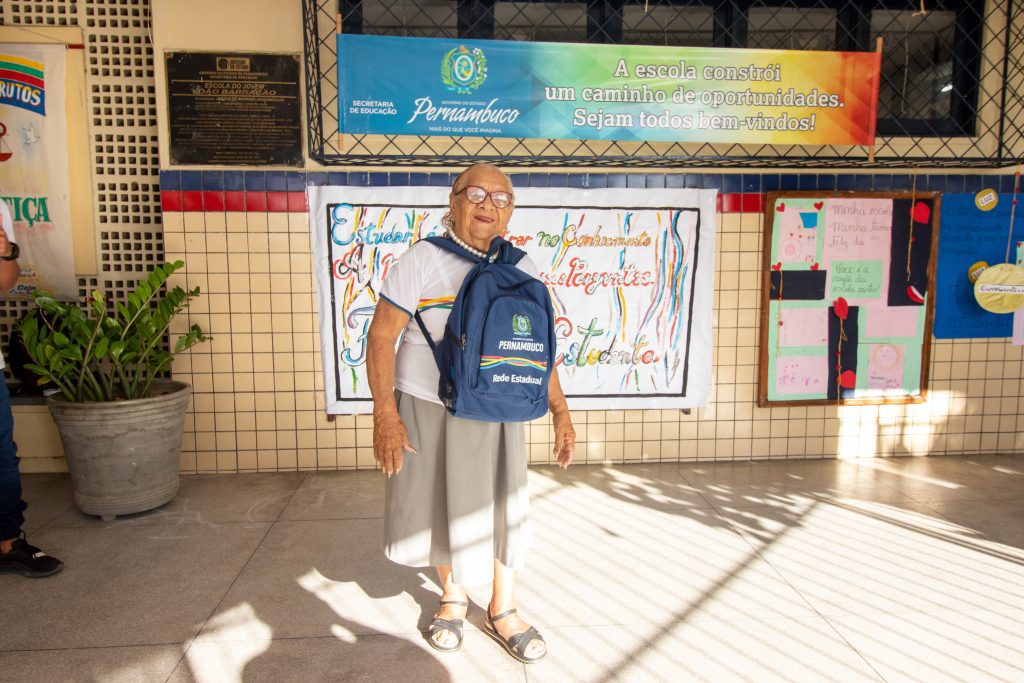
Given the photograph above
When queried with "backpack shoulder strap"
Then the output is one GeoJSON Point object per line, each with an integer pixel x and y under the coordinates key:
{"type": "Point", "coordinates": [449, 245]}
{"type": "Point", "coordinates": [515, 254]}
{"type": "Point", "coordinates": [506, 252]}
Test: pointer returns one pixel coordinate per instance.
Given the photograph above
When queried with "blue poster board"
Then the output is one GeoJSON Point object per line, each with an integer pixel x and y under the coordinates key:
{"type": "Point", "coordinates": [968, 235]}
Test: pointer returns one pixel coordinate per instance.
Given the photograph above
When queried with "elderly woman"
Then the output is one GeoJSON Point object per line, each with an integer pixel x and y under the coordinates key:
{"type": "Point", "coordinates": [456, 493]}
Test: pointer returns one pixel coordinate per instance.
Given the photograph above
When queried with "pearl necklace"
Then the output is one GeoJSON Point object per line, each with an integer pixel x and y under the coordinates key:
{"type": "Point", "coordinates": [475, 252]}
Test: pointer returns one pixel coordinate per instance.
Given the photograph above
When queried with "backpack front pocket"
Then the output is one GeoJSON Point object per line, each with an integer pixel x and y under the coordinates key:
{"type": "Point", "coordinates": [514, 354]}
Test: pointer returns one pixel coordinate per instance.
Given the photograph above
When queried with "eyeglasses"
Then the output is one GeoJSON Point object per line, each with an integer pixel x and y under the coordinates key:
{"type": "Point", "coordinates": [477, 195]}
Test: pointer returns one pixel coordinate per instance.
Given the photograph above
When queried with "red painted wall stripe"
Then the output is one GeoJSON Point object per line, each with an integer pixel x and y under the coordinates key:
{"type": "Point", "coordinates": [295, 202]}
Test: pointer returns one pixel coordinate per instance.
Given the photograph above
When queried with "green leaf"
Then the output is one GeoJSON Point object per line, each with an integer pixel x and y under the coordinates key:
{"type": "Point", "coordinates": [101, 348]}
{"type": "Point", "coordinates": [59, 340]}
{"type": "Point", "coordinates": [37, 369]}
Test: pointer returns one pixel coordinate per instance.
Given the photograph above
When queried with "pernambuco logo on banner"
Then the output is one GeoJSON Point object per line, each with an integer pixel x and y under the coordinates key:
{"type": "Point", "coordinates": [464, 70]}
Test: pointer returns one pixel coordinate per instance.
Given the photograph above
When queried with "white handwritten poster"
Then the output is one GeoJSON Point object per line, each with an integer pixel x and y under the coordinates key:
{"type": "Point", "coordinates": [630, 272]}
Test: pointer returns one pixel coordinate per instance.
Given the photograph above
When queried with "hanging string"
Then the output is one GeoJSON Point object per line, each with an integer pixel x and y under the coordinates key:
{"type": "Point", "coordinates": [913, 202]}
{"type": "Point", "coordinates": [1013, 212]}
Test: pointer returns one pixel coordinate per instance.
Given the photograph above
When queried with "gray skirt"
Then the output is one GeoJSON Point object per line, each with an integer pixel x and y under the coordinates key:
{"type": "Point", "coordinates": [461, 499]}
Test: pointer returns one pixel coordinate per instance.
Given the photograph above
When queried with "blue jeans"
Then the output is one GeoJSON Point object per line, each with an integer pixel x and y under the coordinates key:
{"type": "Point", "coordinates": [11, 504]}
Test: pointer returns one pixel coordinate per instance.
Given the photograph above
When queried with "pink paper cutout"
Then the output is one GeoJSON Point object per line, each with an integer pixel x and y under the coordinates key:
{"type": "Point", "coordinates": [885, 366]}
{"type": "Point", "coordinates": [803, 327]}
{"type": "Point", "coordinates": [890, 321]}
{"type": "Point", "coordinates": [801, 375]}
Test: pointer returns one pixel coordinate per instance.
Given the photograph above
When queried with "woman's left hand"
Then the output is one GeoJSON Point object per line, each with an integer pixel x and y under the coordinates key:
{"type": "Point", "coordinates": [565, 439]}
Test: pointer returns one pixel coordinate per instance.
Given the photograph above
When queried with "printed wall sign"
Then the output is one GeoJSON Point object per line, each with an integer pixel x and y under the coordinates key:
{"type": "Point", "coordinates": [847, 299]}
{"type": "Point", "coordinates": [34, 168]}
{"type": "Point", "coordinates": [231, 108]}
{"type": "Point", "coordinates": [630, 273]}
{"type": "Point", "coordinates": [432, 86]}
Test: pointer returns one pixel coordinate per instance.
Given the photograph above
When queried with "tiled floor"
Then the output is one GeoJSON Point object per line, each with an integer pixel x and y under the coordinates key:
{"type": "Point", "coordinates": [895, 570]}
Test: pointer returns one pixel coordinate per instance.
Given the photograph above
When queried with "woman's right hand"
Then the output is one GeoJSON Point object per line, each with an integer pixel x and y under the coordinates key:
{"type": "Point", "coordinates": [390, 442]}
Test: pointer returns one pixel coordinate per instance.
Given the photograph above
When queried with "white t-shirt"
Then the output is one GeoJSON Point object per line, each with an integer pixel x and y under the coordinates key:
{"type": "Point", "coordinates": [8, 225]}
{"type": "Point", "coordinates": [426, 278]}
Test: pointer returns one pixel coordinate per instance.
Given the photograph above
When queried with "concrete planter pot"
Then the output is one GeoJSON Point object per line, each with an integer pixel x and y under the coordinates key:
{"type": "Point", "coordinates": [124, 456]}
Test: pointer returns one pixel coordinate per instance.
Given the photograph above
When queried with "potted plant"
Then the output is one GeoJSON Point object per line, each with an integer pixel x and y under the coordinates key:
{"type": "Point", "coordinates": [119, 420]}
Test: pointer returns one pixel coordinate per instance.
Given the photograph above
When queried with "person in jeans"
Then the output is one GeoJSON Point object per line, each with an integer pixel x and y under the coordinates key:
{"type": "Point", "coordinates": [16, 555]}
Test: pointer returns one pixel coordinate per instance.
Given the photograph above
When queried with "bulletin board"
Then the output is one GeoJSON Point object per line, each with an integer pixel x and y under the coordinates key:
{"type": "Point", "coordinates": [971, 235]}
{"type": "Point", "coordinates": [847, 297]}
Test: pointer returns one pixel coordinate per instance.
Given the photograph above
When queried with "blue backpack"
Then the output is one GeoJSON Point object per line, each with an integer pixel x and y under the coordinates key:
{"type": "Point", "coordinates": [497, 353]}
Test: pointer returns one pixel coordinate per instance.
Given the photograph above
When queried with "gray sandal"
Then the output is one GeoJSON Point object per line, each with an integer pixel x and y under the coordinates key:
{"type": "Point", "coordinates": [453, 625]}
{"type": "Point", "coordinates": [515, 644]}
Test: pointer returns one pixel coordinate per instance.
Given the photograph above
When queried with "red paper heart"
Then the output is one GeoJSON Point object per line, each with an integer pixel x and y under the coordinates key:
{"type": "Point", "coordinates": [818, 205]}
{"type": "Point", "coordinates": [921, 212]}
{"type": "Point", "coordinates": [777, 266]}
{"type": "Point", "coordinates": [841, 308]}
{"type": "Point", "coordinates": [814, 266]}
{"type": "Point", "coordinates": [848, 380]}
{"type": "Point", "coordinates": [781, 207]}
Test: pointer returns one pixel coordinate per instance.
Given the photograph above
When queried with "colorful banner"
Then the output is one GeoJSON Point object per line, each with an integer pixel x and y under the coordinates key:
{"type": "Point", "coordinates": [630, 273]}
{"type": "Point", "coordinates": [33, 166]}
{"type": "Point", "coordinates": [431, 86]}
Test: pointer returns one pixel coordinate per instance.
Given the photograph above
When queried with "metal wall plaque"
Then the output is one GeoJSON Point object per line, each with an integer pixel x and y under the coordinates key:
{"type": "Point", "coordinates": [234, 109]}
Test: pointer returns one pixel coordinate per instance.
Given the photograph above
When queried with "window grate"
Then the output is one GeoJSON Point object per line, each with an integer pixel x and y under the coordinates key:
{"type": "Point", "coordinates": [942, 76]}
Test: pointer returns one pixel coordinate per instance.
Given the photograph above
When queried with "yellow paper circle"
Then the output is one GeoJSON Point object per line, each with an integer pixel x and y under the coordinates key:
{"type": "Point", "coordinates": [1000, 289]}
{"type": "Point", "coordinates": [986, 200]}
{"type": "Point", "coordinates": [975, 271]}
